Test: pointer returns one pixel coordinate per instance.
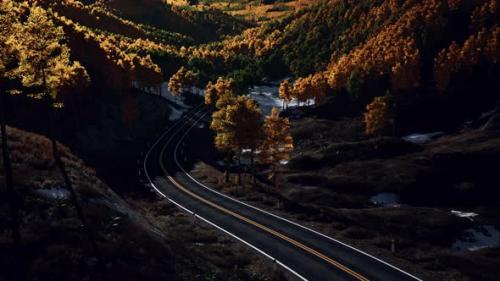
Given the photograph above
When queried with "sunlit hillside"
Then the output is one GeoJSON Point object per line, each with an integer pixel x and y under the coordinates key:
{"type": "Point", "coordinates": [249, 140]}
{"type": "Point", "coordinates": [251, 10]}
{"type": "Point", "coordinates": [420, 51]}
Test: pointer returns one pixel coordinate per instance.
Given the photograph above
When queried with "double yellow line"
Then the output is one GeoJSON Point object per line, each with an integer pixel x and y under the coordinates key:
{"type": "Point", "coordinates": [271, 231]}
{"type": "Point", "coordinates": [260, 226]}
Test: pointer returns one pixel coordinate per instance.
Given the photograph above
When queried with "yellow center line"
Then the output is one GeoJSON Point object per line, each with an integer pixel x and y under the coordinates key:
{"type": "Point", "coordinates": [271, 231]}
{"type": "Point", "coordinates": [258, 225]}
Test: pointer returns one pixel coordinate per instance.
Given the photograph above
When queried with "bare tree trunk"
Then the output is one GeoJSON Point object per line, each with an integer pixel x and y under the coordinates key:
{"type": "Point", "coordinates": [67, 181]}
{"type": "Point", "coordinates": [238, 178]}
{"type": "Point", "coordinates": [275, 180]}
{"type": "Point", "coordinates": [252, 166]}
{"type": "Point", "coordinates": [275, 177]}
{"type": "Point", "coordinates": [226, 176]}
{"type": "Point", "coordinates": [226, 172]}
{"type": "Point", "coordinates": [9, 183]}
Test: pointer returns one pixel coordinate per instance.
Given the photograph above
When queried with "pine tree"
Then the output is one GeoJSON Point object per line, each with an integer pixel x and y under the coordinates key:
{"type": "Point", "coordinates": [277, 144]}
{"type": "Point", "coordinates": [302, 90]}
{"type": "Point", "coordinates": [181, 81]}
{"type": "Point", "coordinates": [378, 115]}
{"type": "Point", "coordinates": [220, 94]}
{"type": "Point", "coordinates": [8, 19]}
{"type": "Point", "coordinates": [210, 94]}
{"type": "Point", "coordinates": [286, 92]}
{"type": "Point", "coordinates": [45, 61]}
{"type": "Point", "coordinates": [238, 127]}
{"type": "Point", "coordinates": [319, 86]}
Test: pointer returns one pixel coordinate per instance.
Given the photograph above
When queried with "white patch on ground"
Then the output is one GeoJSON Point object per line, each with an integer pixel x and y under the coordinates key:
{"type": "Point", "coordinates": [175, 114]}
{"type": "Point", "coordinates": [309, 187]}
{"type": "Point", "coordinates": [54, 193]}
{"type": "Point", "coordinates": [422, 138]}
{"type": "Point", "coordinates": [267, 96]}
{"type": "Point", "coordinates": [386, 199]}
{"type": "Point", "coordinates": [467, 215]}
{"type": "Point", "coordinates": [474, 239]}
{"type": "Point", "coordinates": [178, 107]}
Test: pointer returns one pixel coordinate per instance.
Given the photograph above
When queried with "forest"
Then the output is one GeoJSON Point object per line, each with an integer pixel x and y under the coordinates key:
{"type": "Point", "coordinates": [307, 109]}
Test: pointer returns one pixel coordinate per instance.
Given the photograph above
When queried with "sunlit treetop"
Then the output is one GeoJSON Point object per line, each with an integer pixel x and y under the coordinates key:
{"type": "Point", "coordinates": [44, 58]}
{"type": "Point", "coordinates": [8, 18]}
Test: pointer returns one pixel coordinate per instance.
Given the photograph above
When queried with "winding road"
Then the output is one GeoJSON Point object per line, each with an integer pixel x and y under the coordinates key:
{"type": "Point", "coordinates": [303, 252]}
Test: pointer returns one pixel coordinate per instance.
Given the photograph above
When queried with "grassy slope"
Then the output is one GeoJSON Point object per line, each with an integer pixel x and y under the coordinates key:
{"type": "Point", "coordinates": [138, 237]}
{"type": "Point", "coordinates": [55, 245]}
{"type": "Point", "coordinates": [453, 172]}
{"type": "Point", "coordinates": [335, 169]}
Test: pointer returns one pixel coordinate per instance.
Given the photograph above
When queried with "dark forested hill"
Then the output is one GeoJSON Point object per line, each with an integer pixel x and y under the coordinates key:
{"type": "Point", "coordinates": [420, 53]}
{"type": "Point", "coordinates": [203, 26]}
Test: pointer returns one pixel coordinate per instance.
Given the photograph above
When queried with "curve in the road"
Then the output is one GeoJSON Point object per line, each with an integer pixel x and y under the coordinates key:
{"type": "Point", "coordinates": [281, 218]}
{"type": "Point", "coordinates": [194, 118]}
{"type": "Point", "coordinates": [195, 111]}
{"type": "Point", "coordinates": [275, 233]}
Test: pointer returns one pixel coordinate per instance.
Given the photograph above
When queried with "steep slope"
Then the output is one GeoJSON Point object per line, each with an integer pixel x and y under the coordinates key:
{"type": "Point", "coordinates": [139, 238]}
{"type": "Point", "coordinates": [207, 25]}
{"type": "Point", "coordinates": [130, 43]}
{"type": "Point", "coordinates": [429, 54]}
{"type": "Point", "coordinates": [54, 244]}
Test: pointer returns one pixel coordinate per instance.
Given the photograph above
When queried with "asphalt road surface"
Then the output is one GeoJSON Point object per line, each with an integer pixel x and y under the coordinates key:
{"type": "Point", "coordinates": [303, 252]}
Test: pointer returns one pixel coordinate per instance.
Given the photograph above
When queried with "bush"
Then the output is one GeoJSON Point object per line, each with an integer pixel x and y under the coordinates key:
{"type": "Point", "coordinates": [378, 116]}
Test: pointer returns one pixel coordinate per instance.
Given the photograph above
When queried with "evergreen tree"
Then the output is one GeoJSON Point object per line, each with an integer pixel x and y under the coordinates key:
{"type": "Point", "coordinates": [238, 127]}
{"type": "Point", "coordinates": [379, 115]}
{"type": "Point", "coordinates": [277, 144]}
{"type": "Point", "coordinates": [181, 81]}
{"type": "Point", "coordinates": [286, 92]}
{"type": "Point", "coordinates": [8, 19]}
{"type": "Point", "coordinates": [44, 60]}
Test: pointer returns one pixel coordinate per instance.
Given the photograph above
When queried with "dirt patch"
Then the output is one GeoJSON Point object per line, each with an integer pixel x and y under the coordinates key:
{"type": "Point", "coordinates": [138, 238]}
{"type": "Point", "coordinates": [331, 194]}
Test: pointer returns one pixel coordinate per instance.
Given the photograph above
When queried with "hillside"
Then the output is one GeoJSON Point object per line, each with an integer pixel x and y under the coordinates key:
{"type": "Point", "coordinates": [138, 238]}
{"type": "Point", "coordinates": [251, 10]}
{"type": "Point", "coordinates": [424, 54]}
{"type": "Point", "coordinates": [206, 25]}
{"type": "Point", "coordinates": [375, 122]}
{"type": "Point", "coordinates": [125, 42]}
{"type": "Point", "coordinates": [54, 243]}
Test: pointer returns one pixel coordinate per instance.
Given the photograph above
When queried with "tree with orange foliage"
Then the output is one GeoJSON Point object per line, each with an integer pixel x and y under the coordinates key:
{"type": "Point", "coordinates": [277, 144]}
{"type": "Point", "coordinates": [302, 90]}
{"type": "Point", "coordinates": [220, 93]}
{"type": "Point", "coordinates": [238, 127]}
{"type": "Point", "coordinates": [286, 92]}
{"type": "Point", "coordinates": [44, 61]}
{"type": "Point", "coordinates": [319, 86]}
{"type": "Point", "coordinates": [481, 47]}
{"type": "Point", "coordinates": [210, 94]}
{"type": "Point", "coordinates": [312, 87]}
{"type": "Point", "coordinates": [8, 19]}
{"type": "Point", "coordinates": [378, 115]}
{"type": "Point", "coordinates": [181, 81]}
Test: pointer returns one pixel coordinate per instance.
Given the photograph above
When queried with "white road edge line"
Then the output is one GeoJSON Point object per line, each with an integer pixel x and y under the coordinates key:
{"type": "Point", "coordinates": [206, 220]}
{"type": "Point", "coordinates": [242, 241]}
{"type": "Point", "coordinates": [286, 220]}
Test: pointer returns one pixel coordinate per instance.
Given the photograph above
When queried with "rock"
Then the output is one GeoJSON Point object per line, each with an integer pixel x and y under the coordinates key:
{"type": "Point", "coordinates": [493, 124]}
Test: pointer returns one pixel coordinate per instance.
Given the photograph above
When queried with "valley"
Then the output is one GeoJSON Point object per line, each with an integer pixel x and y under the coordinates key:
{"type": "Point", "coordinates": [249, 140]}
